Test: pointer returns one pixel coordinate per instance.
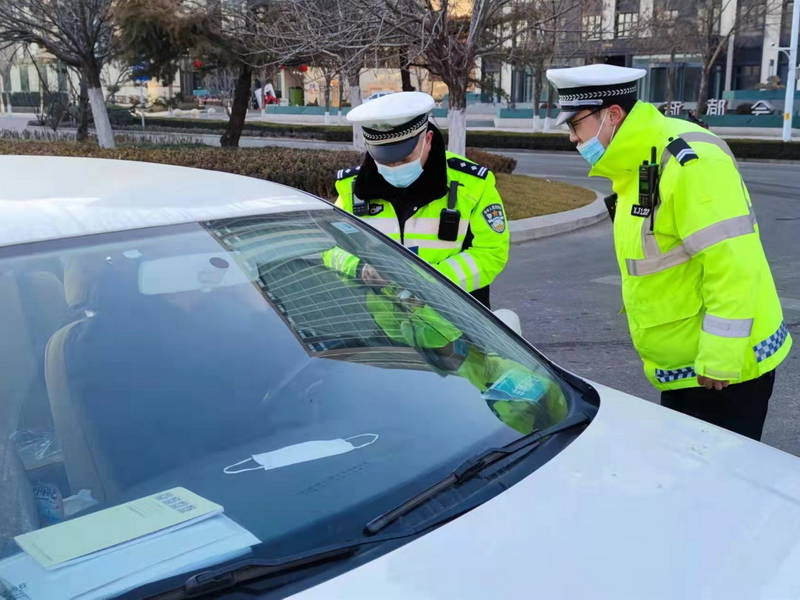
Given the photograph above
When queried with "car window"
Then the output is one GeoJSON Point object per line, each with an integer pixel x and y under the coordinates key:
{"type": "Point", "coordinates": [247, 360]}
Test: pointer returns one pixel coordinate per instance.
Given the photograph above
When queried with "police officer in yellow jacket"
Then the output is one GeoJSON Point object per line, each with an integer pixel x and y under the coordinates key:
{"type": "Point", "coordinates": [700, 300]}
{"type": "Point", "coordinates": [441, 206]}
{"type": "Point", "coordinates": [521, 398]}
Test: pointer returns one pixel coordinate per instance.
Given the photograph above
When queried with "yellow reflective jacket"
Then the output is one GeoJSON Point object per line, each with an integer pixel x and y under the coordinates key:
{"type": "Point", "coordinates": [420, 326]}
{"type": "Point", "coordinates": [481, 216]}
{"type": "Point", "coordinates": [697, 289]}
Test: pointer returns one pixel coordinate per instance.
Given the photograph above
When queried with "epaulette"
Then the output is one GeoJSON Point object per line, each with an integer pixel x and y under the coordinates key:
{"type": "Point", "coordinates": [465, 166]}
{"type": "Point", "coordinates": [345, 173]}
{"type": "Point", "coordinates": [681, 150]}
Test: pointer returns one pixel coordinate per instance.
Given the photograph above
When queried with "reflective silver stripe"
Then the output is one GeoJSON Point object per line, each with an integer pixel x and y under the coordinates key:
{"type": "Point", "coordinates": [385, 225]}
{"type": "Point", "coordinates": [648, 266]}
{"type": "Point", "coordinates": [456, 266]}
{"type": "Point", "coordinates": [718, 232]}
{"type": "Point", "coordinates": [432, 244]}
{"type": "Point", "coordinates": [729, 328]}
{"type": "Point", "coordinates": [473, 266]}
{"type": "Point", "coordinates": [699, 136]}
{"type": "Point", "coordinates": [430, 226]}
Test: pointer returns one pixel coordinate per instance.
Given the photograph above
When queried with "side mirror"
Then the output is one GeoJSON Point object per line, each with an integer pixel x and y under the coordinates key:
{"type": "Point", "coordinates": [510, 318]}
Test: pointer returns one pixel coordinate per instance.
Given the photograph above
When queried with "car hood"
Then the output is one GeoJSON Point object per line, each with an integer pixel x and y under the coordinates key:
{"type": "Point", "coordinates": [645, 503]}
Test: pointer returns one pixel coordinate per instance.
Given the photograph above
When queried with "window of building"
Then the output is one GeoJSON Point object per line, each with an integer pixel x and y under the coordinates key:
{"type": "Point", "coordinates": [752, 15]}
{"type": "Point", "coordinates": [592, 27]}
{"type": "Point", "coordinates": [61, 70]}
{"type": "Point", "coordinates": [24, 80]}
{"type": "Point", "coordinates": [627, 24]}
{"type": "Point", "coordinates": [746, 77]}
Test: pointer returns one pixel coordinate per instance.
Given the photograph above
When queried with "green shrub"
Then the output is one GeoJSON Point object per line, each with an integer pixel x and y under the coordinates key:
{"type": "Point", "coordinates": [309, 170]}
{"type": "Point", "coordinates": [121, 117]}
{"type": "Point", "coordinates": [33, 99]}
{"type": "Point", "coordinates": [501, 140]}
{"type": "Point", "coordinates": [773, 149]}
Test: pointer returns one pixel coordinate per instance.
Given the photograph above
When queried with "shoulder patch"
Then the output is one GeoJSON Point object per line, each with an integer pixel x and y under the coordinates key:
{"type": "Point", "coordinates": [681, 150]}
{"type": "Point", "coordinates": [466, 166]}
{"type": "Point", "coordinates": [495, 217]}
{"type": "Point", "coordinates": [345, 173]}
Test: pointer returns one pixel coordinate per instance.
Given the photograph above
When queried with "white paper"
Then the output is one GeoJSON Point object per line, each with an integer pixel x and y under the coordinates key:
{"type": "Point", "coordinates": [147, 559]}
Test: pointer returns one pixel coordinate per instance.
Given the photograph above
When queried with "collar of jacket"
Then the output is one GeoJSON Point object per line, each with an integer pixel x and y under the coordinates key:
{"type": "Point", "coordinates": [432, 184]}
{"type": "Point", "coordinates": [640, 131]}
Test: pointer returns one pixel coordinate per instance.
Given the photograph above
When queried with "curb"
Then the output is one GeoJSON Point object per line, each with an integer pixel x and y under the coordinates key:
{"type": "Point", "coordinates": [534, 228]}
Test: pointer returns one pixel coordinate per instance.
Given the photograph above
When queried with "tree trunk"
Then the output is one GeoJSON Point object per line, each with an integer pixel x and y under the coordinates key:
{"type": "Point", "coordinates": [457, 119]}
{"type": "Point", "coordinates": [548, 122]}
{"type": "Point", "coordinates": [354, 88]}
{"type": "Point", "coordinates": [405, 72]}
{"type": "Point", "coordinates": [341, 94]}
{"type": "Point", "coordinates": [671, 78]}
{"type": "Point", "coordinates": [326, 96]}
{"type": "Point", "coordinates": [2, 93]}
{"type": "Point", "coordinates": [102, 124]}
{"type": "Point", "coordinates": [83, 111]}
{"type": "Point", "coordinates": [535, 93]}
{"type": "Point", "coordinates": [241, 98]}
{"type": "Point", "coordinates": [702, 93]}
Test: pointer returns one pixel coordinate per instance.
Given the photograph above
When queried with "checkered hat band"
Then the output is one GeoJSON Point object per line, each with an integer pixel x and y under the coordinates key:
{"type": "Point", "coordinates": [589, 96]}
{"type": "Point", "coordinates": [403, 132]}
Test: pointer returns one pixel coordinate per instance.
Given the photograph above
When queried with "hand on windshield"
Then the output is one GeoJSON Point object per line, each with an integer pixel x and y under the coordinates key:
{"type": "Point", "coordinates": [371, 277]}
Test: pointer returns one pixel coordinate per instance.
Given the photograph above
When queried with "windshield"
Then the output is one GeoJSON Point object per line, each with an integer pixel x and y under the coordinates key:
{"type": "Point", "coordinates": [297, 372]}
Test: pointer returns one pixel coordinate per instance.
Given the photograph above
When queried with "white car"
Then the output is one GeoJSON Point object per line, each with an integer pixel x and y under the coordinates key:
{"type": "Point", "coordinates": [202, 397]}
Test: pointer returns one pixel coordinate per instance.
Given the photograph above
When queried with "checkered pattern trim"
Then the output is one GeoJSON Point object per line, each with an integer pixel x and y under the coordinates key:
{"type": "Point", "coordinates": [345, 173]}
{"type": "Point", "coordinates": [403, 132]}
{"type": "Point", "coordinates": [667, 376]}
{"type": "Point", "coordinates": [598, 94]}
{"type": "Point", "coordinates": [772, 344]}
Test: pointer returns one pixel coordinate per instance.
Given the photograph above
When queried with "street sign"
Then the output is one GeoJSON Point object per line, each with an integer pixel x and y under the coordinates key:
{"type": "Point", "coordinates": [139, 73]}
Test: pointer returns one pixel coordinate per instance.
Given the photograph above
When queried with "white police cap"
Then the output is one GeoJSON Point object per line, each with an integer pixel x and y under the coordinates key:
{"type": "Point", "coordinates": [593, 87]}
{"type": "Point", "coordinates": [392, 124]}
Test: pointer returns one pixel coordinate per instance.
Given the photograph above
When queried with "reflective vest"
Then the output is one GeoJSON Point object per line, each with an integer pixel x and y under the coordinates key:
{"type": "Point", "coordinates": [696, 286]}
{"type": "Point", "coordinates": [420, 326]}
{"type": "Point", "coordinates": [476, 207]}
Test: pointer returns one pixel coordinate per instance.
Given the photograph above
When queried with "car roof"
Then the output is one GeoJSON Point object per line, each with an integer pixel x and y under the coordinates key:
{"type": "Point", "coordinates": [47, 197]}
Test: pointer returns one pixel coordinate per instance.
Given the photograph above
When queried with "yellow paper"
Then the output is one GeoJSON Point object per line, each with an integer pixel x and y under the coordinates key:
{"type": "Point", "coordinates": [57, 544]}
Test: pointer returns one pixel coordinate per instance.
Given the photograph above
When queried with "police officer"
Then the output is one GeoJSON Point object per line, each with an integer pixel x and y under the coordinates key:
{"type": "Point", "coordinates": [700, 300]}
{"type": "Point", "coordinates": [441, 206]}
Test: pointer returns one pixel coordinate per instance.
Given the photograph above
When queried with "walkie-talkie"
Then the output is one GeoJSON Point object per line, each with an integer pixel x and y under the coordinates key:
{"type": "Point", "coordinates": [450, 217]}
{"type": "Point", "coordinates": [648, 188]}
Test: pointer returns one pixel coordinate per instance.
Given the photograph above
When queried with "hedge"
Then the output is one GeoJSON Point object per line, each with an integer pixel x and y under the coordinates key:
{"type": "Point", "coordinates": [309, 170]}
{"type": "Point", "coordinates": [501, 140]}
{"type": "Point", "coordinates": [744, 149]}
{"type": "Point", "coordinates": [329, 133]}
{"type": "Point", "coordinates": [33, 99]}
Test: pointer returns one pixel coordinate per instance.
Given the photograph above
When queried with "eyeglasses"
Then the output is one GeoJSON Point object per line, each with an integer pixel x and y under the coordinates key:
{"type": "Point", "coordinates": [573, 122]}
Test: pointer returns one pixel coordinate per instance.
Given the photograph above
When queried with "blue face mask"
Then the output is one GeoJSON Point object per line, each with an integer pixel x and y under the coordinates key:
{"type": "Point", "coordinates": [592, 150]}
{"type": "Point", "coordinates": [403, 175]}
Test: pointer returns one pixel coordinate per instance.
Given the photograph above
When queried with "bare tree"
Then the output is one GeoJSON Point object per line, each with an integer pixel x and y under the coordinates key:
{"type": "Point", "coordinates": [704, 29]}
{"type": "Point", "coordinates": [77, 32]}
{"type": "Point", "coordinates": [334, 35]}
{"type": "Point", "coordinates": [448, 37]}
{"type": "Point", "coordinates": [162, 31]}
{"type": "Point", "coordinates": [536, 48]}
{"type": "Point", "coordinates": [8, 58]}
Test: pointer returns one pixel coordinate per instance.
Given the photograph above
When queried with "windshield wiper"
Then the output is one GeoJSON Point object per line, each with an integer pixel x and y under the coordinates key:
{"type": "Point", "coordinates": [245, 570]}
{"type": "Point", "coordinates": [471, 468]}
{"type": "Point", "coordinates": [250, 569]}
